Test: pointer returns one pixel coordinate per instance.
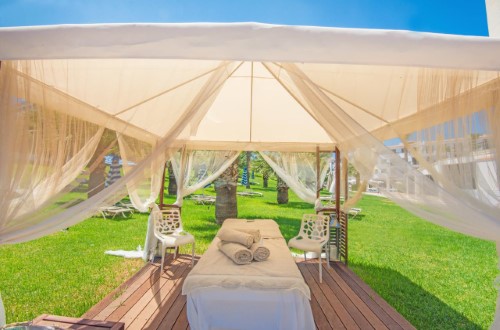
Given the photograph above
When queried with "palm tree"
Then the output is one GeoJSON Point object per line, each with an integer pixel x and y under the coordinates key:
{"type": "Point", "coordinates": [225, 187]}
{"type": "Point", "coordinates": [262, 167]}
{"type": "Point", "coordinates": [97, 168]}
{"type": "Point", "coordinates": [248, 169]}
{"type": "Point", "coordinates": [265, 178]}
{"type": "Point", "coordinates": [351, 170]}
{"type": "Point", "coordinates": [282, 188]}
{"type": "Point", "coordinates": [172, 183]}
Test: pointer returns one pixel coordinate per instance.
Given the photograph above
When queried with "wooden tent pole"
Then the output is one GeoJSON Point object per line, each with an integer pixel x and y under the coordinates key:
{"type": "Point", "coordinates": [337, 181]}
{"type": "Point", "coordinates": [318, 184]}
{"type": "Point", "coordinates": [346, 179]}
{"type": "Point", "coordinates": [162, 191]}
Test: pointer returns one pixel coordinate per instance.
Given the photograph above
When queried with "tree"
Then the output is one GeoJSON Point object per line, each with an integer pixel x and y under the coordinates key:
{"type": "Point", "coordinates": [351, 171]}
{"type": "Point", "coordinates": [172, 183]}
{"type": "Point", "coordinates": [226, 205]}
{"type": "Point", "coordinates": [265, 178]}
{"type": "Point", "coordinates": [248, 169]}
{"type": "Point", "coordinates": [262, 167]}
{"type": "Point", "coordinates": [97, 167]}
{"type": "Point", "coordinates": [282, 188]}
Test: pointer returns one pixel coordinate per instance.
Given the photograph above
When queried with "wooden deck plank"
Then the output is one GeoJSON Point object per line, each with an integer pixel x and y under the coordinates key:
{"type": "Point", "coordinates": [96, 309]}
{"type": "Point", "coordinates": [144, 308]}
{"type": "Point", "coordinates": [348, 313]}
{"type": "Point", "coordinates": [319, 317]}
{"type": "Point", "coordinates": [182, 321]}
{"type": "Point", "coordinates": [152, 300]}
{"type": "Point", "coordinates": [353, 306]}
{"type": "Point", "coordinates": [362, 315]}
{"type": "Point", "coordinates": [142, 282]}
{"type": "Point", "coordinates": [156, 319]}
{"type": "Point", "coordinates": [373, 318]}
{"type": "Point", "coordinates": [173, 313]}
{"type": "Point", "coordinates": [130, 301]}
{"type": "Point", "coordinates": [325, 306]}
{"type": "Point", "coordinates": [368, 300]}
{"type": "Point", "coordinates": [381, 302]}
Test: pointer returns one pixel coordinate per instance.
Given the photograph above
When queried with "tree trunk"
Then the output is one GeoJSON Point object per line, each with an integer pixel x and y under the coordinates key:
{"type": "Point", "coordinates": [265, 180]}
{"type": "Point", "coordinates": [96, 179]}
{"type": "Point", "coordinates": [358, 179]}
{"type": "Point", "coordinates": [225, 187]}
{"type": "Point", "coordinates": [248, 170]}
{"type": "Point", "coordinates": [172, 183]}
{"type": "Point", "coordinates": [97, 176]}
{"type": "Point", "coordinates": [282, 188]}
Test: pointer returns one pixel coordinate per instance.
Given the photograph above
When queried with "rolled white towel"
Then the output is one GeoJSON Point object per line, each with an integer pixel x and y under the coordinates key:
{"type": "Point", "coordinates": [235, 236]}
{"type": "Point", "coordinates": [260, 252]}
{"type": "Point", "coordinates": [239, 254]}
{"type": "Point", "coordinates": [254, 232]}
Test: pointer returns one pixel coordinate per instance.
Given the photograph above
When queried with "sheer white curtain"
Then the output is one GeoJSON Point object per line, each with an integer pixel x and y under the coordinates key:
{"type": "Point", "coordinates": [43, 154]}
{"type": "Point", "coordinates": [151, 241]}
{"type": "Point", "coordinates": [437, 198]}
{"type": "Point", "coordinates": [142, 192]}
{"type": "Point", "coordinates": [166, 147]}
{"type": "Point", "coordinates": [366, 152]}
{"type": "Point", "coordinates": [298, 170]}
{"type": "Point", "coordinates": [194, 169]}
{"type": "Point", "coordinates": [23, 97]}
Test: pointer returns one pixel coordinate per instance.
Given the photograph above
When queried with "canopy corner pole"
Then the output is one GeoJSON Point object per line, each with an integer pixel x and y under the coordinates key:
{"type": "Point", "coordinates": [251, 101]}
{"type": "Point", "coordinates": [345, 165]}
{"type": "Point", "coordinates": [162, 191]}
{"type": "Point", "coordinates": [337, 181]}
{"type": "Point", "coordinates": [318, 184]}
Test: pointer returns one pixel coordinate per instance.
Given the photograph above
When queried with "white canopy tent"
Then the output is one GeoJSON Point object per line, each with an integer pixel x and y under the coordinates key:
{"type": "Point", "coordinates": [160, 87]}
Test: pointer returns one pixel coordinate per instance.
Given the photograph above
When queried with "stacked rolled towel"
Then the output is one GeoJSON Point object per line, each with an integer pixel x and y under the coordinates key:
{"type": "Point", "coordinates": [236, 236]}
{"type": "Point", "coordinates": [239, 254]}
{"type": "Point", "coordinates": [254, 232]}
{"type": "Point", "coordinates": [260, 252]}
{"type": "Point", "coordinates": [242, 245]}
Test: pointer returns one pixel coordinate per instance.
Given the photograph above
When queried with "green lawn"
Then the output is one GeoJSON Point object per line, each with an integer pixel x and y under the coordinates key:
{"type": "Point", "coordinates": [435, 278]}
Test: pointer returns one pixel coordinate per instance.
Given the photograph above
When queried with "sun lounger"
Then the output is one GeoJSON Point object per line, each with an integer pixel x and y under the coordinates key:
{"type": "Point", "coordinates": [353, 212]}
{"type": "Point", "coordinates": [112, 211]}
{"type": "Point", "coordinates": [203, 199]}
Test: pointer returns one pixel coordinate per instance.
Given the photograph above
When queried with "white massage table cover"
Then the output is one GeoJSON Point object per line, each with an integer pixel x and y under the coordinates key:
{"type": "Point", "coordinates": [279, 272]}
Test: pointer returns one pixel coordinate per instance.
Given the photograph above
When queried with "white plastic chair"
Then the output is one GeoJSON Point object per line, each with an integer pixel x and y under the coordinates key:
{"type": "Point", "coordinates": [168, 230]}
{"type": "Point", "coordinates": [313, 237]}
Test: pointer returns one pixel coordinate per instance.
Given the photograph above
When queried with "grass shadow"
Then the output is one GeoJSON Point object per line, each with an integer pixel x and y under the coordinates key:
{"type": "Point", "coordinates": [358, 217]}
{"type": "Point", "coordinates": [118, 218]}
{"type": "Point", "coordinates": [421, 308]}
{"type": "Point", "coordinates": [292, 205]}
{"type": "Point", "coordinates": [289, 227]}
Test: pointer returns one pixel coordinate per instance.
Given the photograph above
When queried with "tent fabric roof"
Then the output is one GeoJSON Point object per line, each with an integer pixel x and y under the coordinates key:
{"type": "Point", "coordinates": [133, 78]}
{"type": "Point", "coordinates": [250, 42]}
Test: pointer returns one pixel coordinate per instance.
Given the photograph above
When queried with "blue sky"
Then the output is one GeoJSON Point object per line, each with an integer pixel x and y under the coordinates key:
{"type": "Point", "coordinates": [466, 17]}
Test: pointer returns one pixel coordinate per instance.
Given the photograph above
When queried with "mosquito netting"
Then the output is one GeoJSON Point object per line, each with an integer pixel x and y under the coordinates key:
{"type": "Point", "coordinates": [240, 87]}
{"type": "Point", "coordinates": [299, 171]}
{"type": "Point", "coordinates": [194, 169]}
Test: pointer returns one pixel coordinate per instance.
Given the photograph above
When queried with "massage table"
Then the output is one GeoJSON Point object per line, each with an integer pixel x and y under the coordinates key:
{"type": "Point", "coordinates": [262, 295]}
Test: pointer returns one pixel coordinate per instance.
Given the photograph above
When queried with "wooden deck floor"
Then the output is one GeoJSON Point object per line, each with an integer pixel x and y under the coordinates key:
{"type": "Point", "coordinates": [153, 300]}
